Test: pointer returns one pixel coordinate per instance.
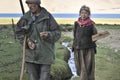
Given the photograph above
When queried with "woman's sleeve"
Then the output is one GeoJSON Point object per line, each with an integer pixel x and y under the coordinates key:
{"type": "Point", "coordinates": [74, 38]}
{"type": "Point", "coordinates": [94, 30]}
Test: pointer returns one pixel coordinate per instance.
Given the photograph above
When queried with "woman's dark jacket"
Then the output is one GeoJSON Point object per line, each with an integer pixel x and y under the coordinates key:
{"type": "Point", "coordinates": [83, 36]}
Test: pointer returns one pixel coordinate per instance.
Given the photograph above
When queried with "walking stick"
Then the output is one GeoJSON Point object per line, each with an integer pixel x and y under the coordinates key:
{"type": "Point", "coordinates": [23, 59]}
{"type": "Point", "coordinates": [24, 46]}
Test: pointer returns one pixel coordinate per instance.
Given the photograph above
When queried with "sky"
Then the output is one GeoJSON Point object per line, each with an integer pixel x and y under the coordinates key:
{"type": "Point", "coordinates": [65, 6]}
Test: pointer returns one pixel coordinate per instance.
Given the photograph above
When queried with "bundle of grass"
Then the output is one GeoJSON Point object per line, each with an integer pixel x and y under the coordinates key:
{"type": "Point", "coordinates": [60, 70]}
{"type": "Point", "coordinates": [61, 52]}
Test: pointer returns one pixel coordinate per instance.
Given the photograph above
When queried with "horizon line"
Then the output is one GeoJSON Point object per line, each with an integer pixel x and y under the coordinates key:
{"type": "Point", "coordinates": [64, 15]}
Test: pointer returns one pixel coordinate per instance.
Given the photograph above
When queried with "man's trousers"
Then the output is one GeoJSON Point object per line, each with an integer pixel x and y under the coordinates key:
{"type": "Point", "coordinates": [38, 71]}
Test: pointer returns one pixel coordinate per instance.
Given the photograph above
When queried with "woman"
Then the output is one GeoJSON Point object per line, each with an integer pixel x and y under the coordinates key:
{"type": "Point", "coordinates": [83, 46]}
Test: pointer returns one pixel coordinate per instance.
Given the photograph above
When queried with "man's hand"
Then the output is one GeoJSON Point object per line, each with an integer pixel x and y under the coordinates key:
{"type": "Point", "coordinates": [44, 34]}
{"type": "Point", "coordinates": [31, 45]}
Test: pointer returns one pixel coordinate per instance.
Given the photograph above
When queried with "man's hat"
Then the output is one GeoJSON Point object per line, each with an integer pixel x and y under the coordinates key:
{"type": "Point", "coordinates": [33, 1]}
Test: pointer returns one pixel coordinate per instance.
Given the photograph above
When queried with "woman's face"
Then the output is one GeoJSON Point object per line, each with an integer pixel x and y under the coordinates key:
{"type": "Point", "coordinates": [84, 14]}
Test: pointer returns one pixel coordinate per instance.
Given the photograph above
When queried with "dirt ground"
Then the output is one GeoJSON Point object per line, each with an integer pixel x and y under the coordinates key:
{"type": "Point", "coordinates": [112, 41]}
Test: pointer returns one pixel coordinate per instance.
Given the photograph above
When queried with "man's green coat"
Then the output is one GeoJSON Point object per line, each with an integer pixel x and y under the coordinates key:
{"type": "Point", "coordinates": [44, 47]}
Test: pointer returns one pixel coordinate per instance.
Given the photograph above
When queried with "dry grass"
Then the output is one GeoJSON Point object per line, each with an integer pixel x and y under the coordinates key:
{"type": "Point", "coordinates": [8, 20]}
{"type": "Point", "coordinates": [68, 20]}
{"type": "Point", "coordinates": [96, 20]}
{"type": "Point", "coordinates": [107, 20]}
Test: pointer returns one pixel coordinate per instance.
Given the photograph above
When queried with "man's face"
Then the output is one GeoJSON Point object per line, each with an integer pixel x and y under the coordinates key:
{"type": "Point", "coordinates": [33, 7]}
{"type": "Point", "coordinates": [84, 14]}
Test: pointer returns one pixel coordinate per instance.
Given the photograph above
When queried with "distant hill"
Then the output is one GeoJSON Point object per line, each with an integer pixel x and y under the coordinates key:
{"type": "Point", "coordinates": [65, 6]}
{"type": "Point", "coordinates": [73, 6]}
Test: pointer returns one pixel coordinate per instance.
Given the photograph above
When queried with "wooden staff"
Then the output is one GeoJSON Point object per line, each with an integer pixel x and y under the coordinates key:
{"type": "Point", "coordinates": [23, 59]}
{"type": "Point", "coordinates": [24, 47]}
